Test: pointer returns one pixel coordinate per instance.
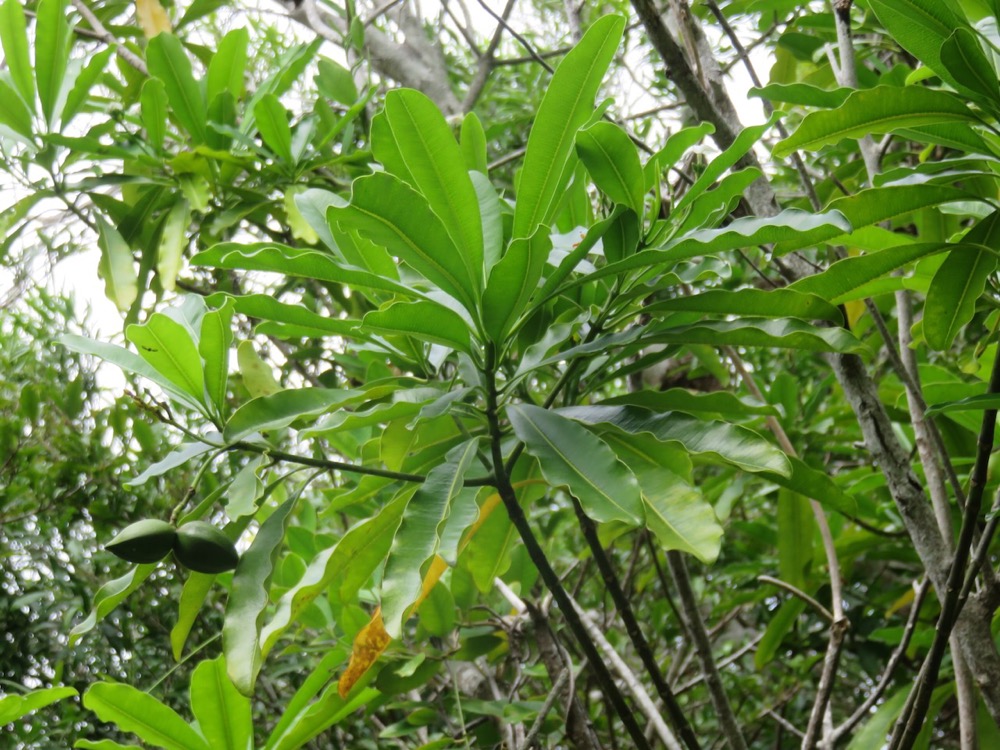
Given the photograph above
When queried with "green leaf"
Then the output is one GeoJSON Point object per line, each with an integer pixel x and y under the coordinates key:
{"type": "Point", "coordinates": [173, 241]}
{"type": "Point", "coordinates": [816, 485]}
{"type": "Point", "coordinates": [177, 457]}
{"type": "Point", "coordinates": [328, 710]}
{"type": "Point", "coordinates": [573, 457]}
{"type": "Point", "coordinates": [438, 171]}
{"type": "Point", "coordinates": [423, 319]}
{"type": "Point", "coordinates": [565, 108]}
{"type": "Point", "coordinates": [419, 534]}
{"type": "Point", "coordinates": [971, 403]}
{"type": "Point", "coordinates": [293, 320]}
{"type": "Point", "coordinates": [14, 38]}
{"type": "Point", "coordinates": [249, 598]}
{"type": "Point", "coordinates": [121, 283]}
{"type": "Point", "coordinates": [721, 403]}
{"type": "Point", "coordinates": [14, 707]}
{"type": "Point", "coordinates": [676, 146]}
{"type": "Point", "coordinates": [227, 68]}
{"type": "Point", "coordinates": [290, 261]}
{"type": "Point", "coordinates": [336, 82]}
{"type": "Point", "coordinates": [920, 26]}
{"type": "Point", "coordinates": [141, 714]}
{"type": "Point", "coordinates": [223, 714]}
{"type": "Point", "coordinates": [166, 60]}
{"type": "Point", "coordinates": [970, 69]}
{"type": "Point", "coordinates": [272, 412]}
{"type": "Point", "coordinates": [14, 114]}
{"type": "Point", "coordinates": [52, 40]}
{"type": "Point", "coordinates": [491, 212]}
{"type": "Point", "coordinates": [838, 283]}
{"type": "Point", "coordinates": [512, 282]}
{"type": "Point", "coordinates": [730, 443]}
{"type": "Point", "coordinates": [167, 346]}
{"type": "Point", "coordinates": [192, 598]}
{"type": "Point", "coordinates": [802, 94]}
{"type": "Point", "coordinates": [878, 726]}
{"type": "Point", "coordinates": [348, 564]}
{"type": "Point", "coordinates": [752, 302]}
{"type": "Point", "coordinates": [153, 102]}
{"type": "Point", "coordinates": [959, 283]}
{"type": "Point", "coordinates": [783, 333]}
{"type": "Point", "coordinates": [395, 216]}
{"type": "Point", "coordinates": [781, 622]}
{"type": "Point", "coordinates": [613, 162]}
{"type": "Point", "coordinates": [103, 745]}
{"type": "Point", "coordinates": [473, 143]}
{"type": "Point", "coordinates": [214, 343]}
{"type": "Point", "coordinates": [272, 123]}
{"type": "Point", "coordinates": [882, 109]}
{"type": "Point", "coordinates": [796, 528]}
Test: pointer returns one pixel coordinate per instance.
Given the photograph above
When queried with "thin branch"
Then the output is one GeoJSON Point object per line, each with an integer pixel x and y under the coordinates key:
{"type": "Point", "coordinates": [550, 699]}
{"type": "Point", "coordinates": [488, 60]}
{"type": "Point", "coordinates": [797, 592]}
{"type": "Point", "coordinates": [108, 38]}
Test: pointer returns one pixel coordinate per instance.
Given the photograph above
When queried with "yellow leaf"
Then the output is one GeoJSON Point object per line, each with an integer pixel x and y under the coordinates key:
{"type": "Point", "coordinates": [433, 575]}
{"type": "Point", "coordinates": [369, 644]}
{"type": "Point", "coordinates": [901, 603]}
{"type": "Point", "coordinates": [152, 17]}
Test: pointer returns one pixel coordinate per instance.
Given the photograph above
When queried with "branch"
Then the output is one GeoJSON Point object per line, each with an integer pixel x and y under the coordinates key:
{"type": "Point", "coordinates": [797, 592]}
{"type": "Point", "coordinates": [108, 38]}
{"type": "Point", "coordinates": [488, 61]}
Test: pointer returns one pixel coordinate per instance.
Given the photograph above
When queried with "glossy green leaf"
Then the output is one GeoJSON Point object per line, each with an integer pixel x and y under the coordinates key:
{"type": "Point", "coordinates": [838, 283]}
{"type": "Point", "coordinates": [223, 714]}
{"type": "Point", "coordinates": [52, 40]}
{"type": "Point", "coordinates": [121, 284]}
{"type": "Point", "coordinates": [173, 242]}
{"type": "Point", "coordinates": [272, 123]}
{"type": "Point", "coordinates": [154, 104]}
{"type": "Point", "coordinates": [249, 598]}
{"type": "Point", "coordinates": [295, 320]}
{"type": "Point", "coordinates": [919, 26]}
{"type": "Point", "coordinates": [963, 57]}
{"type": "Point", "coordinates": [879, 725]}
{"type": "Point", "coordinates": [141, 714]}
{"type": "Point", "coordinates": [214, 343]}
{"type": "Point", "coordinates": [732, 444]}
{"type": "Point", "coordinates": [130, 362]}
{"type": "Point", "coordinates": [109, 596]}
{"type": "Point", "coordinates": [782, 333]}
{"type": "Point", "coordinates": [395, 216]}
{"type": "Point", "coordinates": [882, 109]}
{"type": "Point", "coordinates": [472, 140]}
{"type": "Point", "coordinates": [192, 598]}
{"type": "Point", "coordinates": [785, 303]}
{"type": "Point", "coordinates": [177, 457]}
{"type": "Point", "coordinates": [166, 60]}
{"type": "Point", "coordinates": [778, 627]}
{"type": "Point", "coordinates": [419, 534]}
{"type": "Point", "coordinates": [280, 409]}
{"type": "Point", "coordinates": [675, 511]}
{"type": "Point", "coordinates": [227, 68]}
{"type": "Point", "coordinates": [676, 146]}
{"type": "Point", "coordinates": [14, 706]}
{"type": "Point", "coordinates": [816, 485]}
{"type": "Point", "coordinates": [14, 114]}
{"type": "Point", "coordinates": [435, 163]}
{"type": "Point", "coordinates": [512, 282]}
{"type": "Point", "coordinates": [348, 564]}
{"type": "Point", "coordinates": [972, 403]}
{"type": "Point", "coordinates": [103, 745]}
{"type": "Point", "coordinates": [270, 256]}
{"type": "Point", "coordinates": [959, 283]}
{"type": "Point", "coordinates": [796, 529]}
{"type": "Point", "coordinates": [424, 320]}
{"type": "Point", "coordinates": [571, 456]}
{"type": "Point", "coordinates": [613, 162]}
{"type": "Point", "coordinates": [168, 347]}
{"type": "Point", "coordinates": [802, 94]}
{"type": "Point", "coordinates": [336, 82]}
{"type": "Point", "coordinates": [721, 403]}
{"type": "Point", "coordinates": [14, 38]}
{"type": "Point", "coordinates": [565, 108]}
{"type": "Point", "coordinates": [326, 711]}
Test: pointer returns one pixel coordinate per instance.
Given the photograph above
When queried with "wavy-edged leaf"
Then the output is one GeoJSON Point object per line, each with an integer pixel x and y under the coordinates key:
{"type": "Point", "coordinates": [130, 362]}
{"type": "Point", "coordinates": [192, 598]}
{"type": "Point", "coordinates": [512, 282]}
{"type": "Point", "coordinates": [326, 711]}
{"type": "Point", "coordinates": [177, 457]}
{"type": "Point", "coordinates": [353, 558]}
{"type": "Point", "coordinates": [971, 403]}
{"type": "Point", "coordinates": [14, 38]}
{"type": "Point", "coordinates": [565, 108]}
{"type": "Point", "coordinates": [109, 596]}
{"type": "Point", "coordinates": [571, 456]}
{"type": "Point", "coordinates": [838, 283]}
{"type": "Point", "coordinates": [613, 163]}
{"type": "Point", "coordinates": [422, 319]}
{"type": "Point", "coordinates": [963, 58]}
{"type": "Point", "coordinates": [166, 60]}
{"type": "Point", "coordinates": [52, 42]}
{"type": "Point", "coordinates": [402, 404]}
{"type": "Point", "coordinates": [676, 512]}
{"type": "Point", "coordinates": [676, 146]}
{"type": "Point", "coordinates": [249, 598]}
{"type": "Point", "coordinates": [732, 444]}
{"type": "Point", "coordinates": [779, 303]}
{"type": "Point", "coordinates": [223, 714]}
{"type": "Point", "coordinates": [139, 713]}
{"type": "Point", "coordinates": [721, 403]}
{"type": "Point", "coordinates": [289, 319]}
{"type": "Point", "coordinates": [816, 485]}
{"type": "Point", "coordinates": [272, 124]}
{"type": "Point", "coordinates": [166, 345]}
{"type": "Point", "coordinates": [13, 707]}
{"type": "Point", "coordinates": [437, 168]}
{"type": "Point", "coordinates": [802, 94]}
{"type": "Point", "coordinates": [781, 333]}
{"type": "Point", "coordinates": [121, 283]}
{"type": "Point", "coordinates": [920, 26]}
{"type": "Point", "coordinates": [959, 283]}
{"type": "Point", "coordinates": [388, 212]}
{"type": "Point", "coordinates": [290, 261]}
{"type": "Point", "coordinates": [277, 410]}
{"type": "Point", "coordinates": [882, 109]}
{"type": "Point", "coordinates": [419, 534]}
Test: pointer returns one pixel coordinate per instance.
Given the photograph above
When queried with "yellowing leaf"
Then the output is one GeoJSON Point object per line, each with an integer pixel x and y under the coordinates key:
{"type": "Point", "coordinates": [433, 575]}
{"type": "Point", "coordinates": [369, 644]}
{"type": "Point", "coordinates": [257, 374]}
{"type": "Point", "coordinates": [152, 17]}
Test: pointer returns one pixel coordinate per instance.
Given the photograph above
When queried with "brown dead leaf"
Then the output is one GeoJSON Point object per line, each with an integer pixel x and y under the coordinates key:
{"type": "Point", "coordinates": [369, 644]}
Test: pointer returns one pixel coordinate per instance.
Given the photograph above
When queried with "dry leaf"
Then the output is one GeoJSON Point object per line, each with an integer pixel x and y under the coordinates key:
{"type": "Point", "coordinates": [369, 644]}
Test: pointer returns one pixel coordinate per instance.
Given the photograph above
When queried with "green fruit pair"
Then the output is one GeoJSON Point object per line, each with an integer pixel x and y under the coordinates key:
{"type": "Point", "coordinates": [197, 545]}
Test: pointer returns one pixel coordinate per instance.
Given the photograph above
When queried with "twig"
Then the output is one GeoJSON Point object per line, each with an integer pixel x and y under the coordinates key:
{"type": "Point", "coordinates": [524, 42]}
{"type": "Point", "coordinates": [550, 699]}
{"type": "Point", "coordinates": [108, 38]}
{"type": "Point", "coordinates": [488, 61]}
{"type": "Point", "coordinates": [784, 723]}
{"type": "Point", "coordinates": [795, 591]}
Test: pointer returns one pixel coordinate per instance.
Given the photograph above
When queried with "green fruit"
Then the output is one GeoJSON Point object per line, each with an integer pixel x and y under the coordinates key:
{"type": "Point", "coordinates": [145, 541]}
{"type": "Point", "coordinates": [204, 549]}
